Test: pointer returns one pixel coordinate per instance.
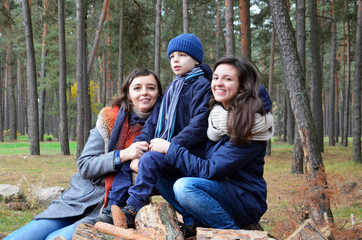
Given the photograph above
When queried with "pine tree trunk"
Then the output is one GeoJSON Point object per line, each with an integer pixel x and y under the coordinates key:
{"type": "Point", "coordinates": [120, 47]}
{"type": "Point", "coordinates": [229, 22]}
{"type": "Point", "coordinates": [331, 124]}
{"type": "Point", "coordinates": [1, 107]}
{"type": "Point", "coordinates": [317, 73]}
{"type": "Point", "coordinates": [270, 82]}
{"type": "Point", "coordinates": [347, 90]}
{"type": "Point", "coordinates": [298, 154]}
{"type": "Point", "coordinates": [290, 123]}
{"type": "Point", "coordinates": [357, 89]}
{"type": "Point", "coordinates": [217, 48]}
{"type": "Point", "coordinates": [63, 125]}
{"type": "Point", "coordinates": [158, 37]}
{"type": "Point", "coordinates": [97, 36]}
{"type": "Point", "coordinates": [185, 19]}
{"type": "Point", "coordinates": [293, 73]}
{"type": "Point", "coordinates": [245, 28]}
{"type": "Point", "coordinates": [10, 79]}
{"type": "Point", "coordinates": [20, 94]}
{"type": "Point", "coordinates": [42, 76]}
{"type": "Point", "coordinates": [80, 76]}
{"type": "Point", "coordinates": [33, 119]}
{"type": "Point", "coordinates": [86, 94]}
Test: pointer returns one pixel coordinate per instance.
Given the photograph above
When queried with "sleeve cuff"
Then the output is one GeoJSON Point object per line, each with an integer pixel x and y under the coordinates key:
{"type": "Point", "coordinates": [116, 160]}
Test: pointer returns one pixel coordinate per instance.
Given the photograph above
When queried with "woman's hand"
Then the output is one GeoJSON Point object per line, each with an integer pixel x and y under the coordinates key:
{"type": "Point", "coordinates": [135, 151]}
{"type": "Point", "coordinates": [159, 145]}
{"type": "Point", "coordinates": [134, 165]}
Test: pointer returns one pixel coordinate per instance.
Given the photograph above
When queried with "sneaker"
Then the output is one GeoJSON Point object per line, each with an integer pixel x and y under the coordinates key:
{"type": "Point", "coordinates": [130, 214]}
{"type": "Point", "coordinates": [106, 215]}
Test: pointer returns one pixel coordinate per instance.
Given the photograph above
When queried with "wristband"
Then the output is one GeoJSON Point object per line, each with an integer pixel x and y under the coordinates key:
{"type": "Point", "coordinates": [117, 160]}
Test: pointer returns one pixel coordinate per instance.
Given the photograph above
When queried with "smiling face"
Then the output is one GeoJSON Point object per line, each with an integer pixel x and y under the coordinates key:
{"type": "Point", "coordinates": [143, 92]}
{"type": "Point", "coordinates": [182, 63]}
{"type": "Point", "coordinates": [225, 84]}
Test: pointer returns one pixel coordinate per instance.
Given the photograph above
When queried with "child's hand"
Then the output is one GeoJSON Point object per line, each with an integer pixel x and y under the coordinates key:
{"type": "Point", "coordinates": [159, 145]}
{"type": "Point", "coordinates": [134, 165]}
{"type": "Point", "coordinates": [136, 150]}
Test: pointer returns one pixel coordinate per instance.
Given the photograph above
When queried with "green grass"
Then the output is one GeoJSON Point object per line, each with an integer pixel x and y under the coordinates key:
{"type": "Point", "coordinates": [22, 146]}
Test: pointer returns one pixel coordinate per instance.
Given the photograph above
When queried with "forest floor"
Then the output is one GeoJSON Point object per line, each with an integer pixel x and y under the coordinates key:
{"type": "Point", "coordinates": [287, 194]}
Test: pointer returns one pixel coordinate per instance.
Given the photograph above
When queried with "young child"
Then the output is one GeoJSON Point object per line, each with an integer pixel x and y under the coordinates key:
{"type": "Point", "coordinates": [182, 119]}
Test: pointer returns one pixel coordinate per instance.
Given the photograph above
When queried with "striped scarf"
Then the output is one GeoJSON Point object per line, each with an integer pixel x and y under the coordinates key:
{"type": "Point", "coordinates": [167, 115]}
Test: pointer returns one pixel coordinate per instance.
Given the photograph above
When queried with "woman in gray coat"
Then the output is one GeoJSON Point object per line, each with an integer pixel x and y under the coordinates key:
{"type": "Point", "coordinates": [109, 149]}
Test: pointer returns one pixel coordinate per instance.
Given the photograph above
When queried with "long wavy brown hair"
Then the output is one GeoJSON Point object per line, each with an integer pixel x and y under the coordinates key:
{"type": "Point", "coordinates": [246, 102]}
{"type": "Point", "coordinates": [124, 99]}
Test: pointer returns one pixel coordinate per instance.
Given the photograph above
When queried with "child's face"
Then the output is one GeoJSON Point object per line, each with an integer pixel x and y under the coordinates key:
{"type": "Point", "coordinates": [182, 63]}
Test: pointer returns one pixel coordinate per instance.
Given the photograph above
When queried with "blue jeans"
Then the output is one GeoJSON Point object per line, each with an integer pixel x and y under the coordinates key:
{"type": "Point", "coordinates": [201, 202]}
{"type": "Point", "coordinates": [41, 229]}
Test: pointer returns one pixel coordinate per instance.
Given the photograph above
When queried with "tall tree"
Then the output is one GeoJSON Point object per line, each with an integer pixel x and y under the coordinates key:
{"type": "Point", "coordinates": [357, 89]}
{"type": "Point", "coordinates": [229, 22]}
{"type": "Point", "coordinates": [331, 124]}
{"type": "Point", "coordinates": [42, 72]}
{"type": "Point", "coordinates": [158, 37]}
{"type": "Point", "coordinates": [316, 96]}
{"type": "Point", "coordinates": [80, 76]}
{"type": "Point", "coordinates": [120, 47]}
{"type": "Point", "coordinates": [185, 19]}
{"type": "Point", "coordinates": [245, 28]}
{"type": "Point", "coordinates": [315, 174]}
{"type": "Point", "coordinates": [87, 102]}
{"type": "Point", "coordinates": [1, 108]}
{"type": "Point", "coordinates": [33, 119]}
{"type": "Point", "coordinates": [97, 36]}
{"type": "Point", "coordinates": [298, 154]}
{"type": "Point", "coordinates": [217, 30]}
{"type": "Point", "coordinates": [347, 89]}
{"type": "Point", "coordinates": [10, 76]}
{"type": "Point", "coordinates": [20, 97]}
{"type": "Point", "coordinates": [63, 125]}
{"type": "Point", "coordinates": [271, 79]}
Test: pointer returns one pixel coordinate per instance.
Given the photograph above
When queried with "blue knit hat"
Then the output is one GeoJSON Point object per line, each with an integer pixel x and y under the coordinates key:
{"type": "Point", "coordinates": [187, 43]}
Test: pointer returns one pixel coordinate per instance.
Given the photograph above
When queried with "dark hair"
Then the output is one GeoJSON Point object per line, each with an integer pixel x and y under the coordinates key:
{"type": "Point", "coordinates": [246, 102]}
{"type": "Point", "coordinates": [124, 99]}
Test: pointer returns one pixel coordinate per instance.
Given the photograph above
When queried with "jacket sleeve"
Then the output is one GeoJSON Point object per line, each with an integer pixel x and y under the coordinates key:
{"type": "Point", "coordinates": [225, 161]}
{"type": "Point", "coordinates": [94, 162]}
{"type": "Point", "coordinates": [195, 132]}
{"type": "Point", "coordinates": [265, 98]}
{"type": "Point", "coordinates": [148, 130]}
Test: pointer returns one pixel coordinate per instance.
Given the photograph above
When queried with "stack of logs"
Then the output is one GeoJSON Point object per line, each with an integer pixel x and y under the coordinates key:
{"type": "Point", "coordinates": [158, 220]}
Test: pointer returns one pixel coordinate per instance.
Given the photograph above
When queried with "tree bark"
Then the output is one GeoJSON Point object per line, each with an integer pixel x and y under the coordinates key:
{"type": "Point", "coordinates": [185, 20]}
{"type": "Point", "coordinates": [97, 36]}
{"type": "Point", "coordinates": [42, 73]}
{"type": "Point", "coordinates": [1, 107]}
{"type": "Point", "coordinates": [315, 174]}
{"type": "Point", "coordinates": [33, 120]}
{"type": "Point", "coordinates": [245, 28]}
{"type": "Point", "coordinates": [158, 37]}
{"type": "Point", "coordinates": [108, 60]}
{"type": "Point", "coordinates": [80, 76]}
{"type": "Point", "coordinates": [217, 30]}
{"type": "Point", "coordinates": [229, 22]}
{"type": "Point", "coordinates": [120, 47]}
{"type": "Point", "coordinates": [63, 125]}
{"type": "Point", "coordinates": [290, 122]}
{"type": "Point", "coordinates": [20, 99]}
{"type": "Point", "coordinates": [357, 89]}
{"type": "Point", "coordinates": [298, 154]}
{"type": "Point", "coordinates": [10, 78]}
{"type": "Point", "coordinates": [331, 124]}
{"type": "Point", "coordinates": [347, 88]}
{"type": "Point", "coordinates": [316, 72]}
{"type": "Point", "coordinates": [86, 94]}
{"type": "Point", "coordinates": [271, 79]}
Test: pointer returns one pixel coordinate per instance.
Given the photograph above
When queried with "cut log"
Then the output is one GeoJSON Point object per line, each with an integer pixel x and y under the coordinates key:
{"type": "Point", "coordinates": [225, 234]}
{"type": "Point", "coordinates": [85, 232]}
{"type": "Point", "coordinates": [158, 220]}
{"type": "Point", "coordinates": [308, 230]}
{"type": "Point", "coordinates": [119, 219]}
{"type": "Point", "coordinates": [129, 234]}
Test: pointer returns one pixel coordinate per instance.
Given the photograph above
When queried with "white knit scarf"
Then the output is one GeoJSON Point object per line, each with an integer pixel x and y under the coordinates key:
{"type": "Point", "coordinates": [262, 130]}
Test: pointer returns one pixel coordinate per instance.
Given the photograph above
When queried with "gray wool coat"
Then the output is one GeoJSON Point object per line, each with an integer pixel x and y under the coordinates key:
{"type": "Point", "coordinates": [85, 196]}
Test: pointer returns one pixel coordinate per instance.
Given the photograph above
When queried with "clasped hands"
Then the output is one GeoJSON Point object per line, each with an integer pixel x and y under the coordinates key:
{"type": "Point", "coordinates": [134, 152]}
